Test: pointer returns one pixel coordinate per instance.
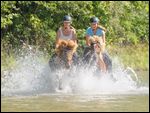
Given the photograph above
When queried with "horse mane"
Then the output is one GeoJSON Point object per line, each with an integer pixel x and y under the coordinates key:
{"type": "Point", "coordinates": [69, 43]}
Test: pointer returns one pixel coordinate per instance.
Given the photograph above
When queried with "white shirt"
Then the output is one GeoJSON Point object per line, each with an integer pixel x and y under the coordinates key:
{"type": "Point", "coordinates": [62, 36]}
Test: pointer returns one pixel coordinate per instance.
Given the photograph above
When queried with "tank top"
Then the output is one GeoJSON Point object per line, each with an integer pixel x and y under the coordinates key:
{"type": "Point", "coordinates": [62, 36]}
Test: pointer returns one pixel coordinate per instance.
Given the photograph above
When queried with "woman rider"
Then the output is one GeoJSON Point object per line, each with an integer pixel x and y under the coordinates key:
{"type": "Point", "coordinates": [96, 30]}
{"type": "Point", "coordinates": [67, 33]}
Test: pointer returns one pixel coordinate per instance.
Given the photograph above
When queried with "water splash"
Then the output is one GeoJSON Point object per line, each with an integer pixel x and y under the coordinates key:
{"type": "Point", "coordinates": [33, 76]}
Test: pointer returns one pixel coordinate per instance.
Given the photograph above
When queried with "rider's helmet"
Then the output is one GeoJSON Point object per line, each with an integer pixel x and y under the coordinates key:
{"type": "Point", "coordinates": [67, 18]}
{"type": "Point", "coordinates": [94, 20]}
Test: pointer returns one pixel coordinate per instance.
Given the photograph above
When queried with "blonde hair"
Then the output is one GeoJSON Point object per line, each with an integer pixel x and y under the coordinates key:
{"type": "Point", "coordinates": [101, 27]}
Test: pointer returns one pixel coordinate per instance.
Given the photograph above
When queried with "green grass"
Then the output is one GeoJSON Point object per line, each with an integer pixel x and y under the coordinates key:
{"type": "Point", "coordinates": [135, 56]}
{"type": "Point", "coordinates": [7, 62]}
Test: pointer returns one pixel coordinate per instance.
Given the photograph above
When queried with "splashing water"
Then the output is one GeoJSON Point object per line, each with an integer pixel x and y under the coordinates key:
{"type": "Point", "coordinates": [33, 76]}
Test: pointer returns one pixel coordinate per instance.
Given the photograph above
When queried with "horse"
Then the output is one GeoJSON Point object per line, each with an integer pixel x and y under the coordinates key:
{"type": "Point", "coordinates": [90, 55]}
{"type": "Point", "coordinates": [63, 59]}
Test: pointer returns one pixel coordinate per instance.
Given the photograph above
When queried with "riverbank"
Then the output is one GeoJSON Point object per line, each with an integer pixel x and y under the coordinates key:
{"type": "Point", "coordinates": [134, 56]}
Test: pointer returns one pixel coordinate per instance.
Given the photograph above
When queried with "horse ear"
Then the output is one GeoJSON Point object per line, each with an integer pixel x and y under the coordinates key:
{"type": "Point", "coordinates": [97, 38]}
{"type": "Point", "coordinates": [92, 39]}
{"type": "Point", "coordinates": [65, 43]}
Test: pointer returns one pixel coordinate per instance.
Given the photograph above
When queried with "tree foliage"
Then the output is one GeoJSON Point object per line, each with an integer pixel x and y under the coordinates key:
{"type": "Point", "coordinates": [36, 22]}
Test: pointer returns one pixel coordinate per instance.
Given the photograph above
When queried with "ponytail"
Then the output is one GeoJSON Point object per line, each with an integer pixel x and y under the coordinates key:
{"type": "Point", "coordinates": [101, 27]}
{"type": "Point", "coordinates": [72, 27]}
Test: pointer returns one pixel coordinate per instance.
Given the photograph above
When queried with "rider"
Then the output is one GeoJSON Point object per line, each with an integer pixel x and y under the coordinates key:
{"type": "Point", "coordinates": [66, 33]}
{"type": "Point", "coordinates": [98, 31]}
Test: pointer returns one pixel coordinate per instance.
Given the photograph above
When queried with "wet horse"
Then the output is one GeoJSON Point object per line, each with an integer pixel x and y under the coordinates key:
{"type": "Point", "coordinates": [90, 57]}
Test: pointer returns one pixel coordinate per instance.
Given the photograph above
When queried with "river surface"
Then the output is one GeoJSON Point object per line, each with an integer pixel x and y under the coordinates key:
{"type": "Point", "coordinates": [59, 102]}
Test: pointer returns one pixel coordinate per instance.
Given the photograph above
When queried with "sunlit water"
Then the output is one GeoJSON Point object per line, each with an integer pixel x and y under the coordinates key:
{"type": "Point", "coordinates": [32, 86]}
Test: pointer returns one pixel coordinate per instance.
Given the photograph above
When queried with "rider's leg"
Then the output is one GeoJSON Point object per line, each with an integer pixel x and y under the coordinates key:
{"type": "Point", "coordinates": [58, 52]}
{"type": "Point", "coordinates": [69, 58]}
{"type": "Point", "coordinates": [101, 63]}
{"type": "Point", "coordinates": [70, 55]}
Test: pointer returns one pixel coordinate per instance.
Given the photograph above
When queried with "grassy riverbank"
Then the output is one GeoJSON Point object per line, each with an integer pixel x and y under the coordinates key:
{"type": "Point", "coordinates": [135, 56]}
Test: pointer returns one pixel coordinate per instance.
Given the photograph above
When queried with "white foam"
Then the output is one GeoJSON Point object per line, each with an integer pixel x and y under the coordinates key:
{"type": "Point", "coordinates": [33, 76]}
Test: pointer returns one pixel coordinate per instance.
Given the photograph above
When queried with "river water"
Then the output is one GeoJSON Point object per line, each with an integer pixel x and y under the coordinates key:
{"type": "Point", "coordinates": [31, 86]}
{"type": "Point", "coordinates": [61, 102]}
